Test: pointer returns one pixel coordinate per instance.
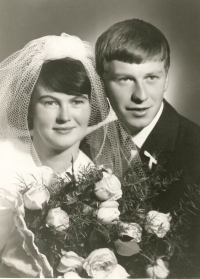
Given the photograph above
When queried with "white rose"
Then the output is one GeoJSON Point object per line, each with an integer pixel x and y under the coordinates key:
{"type": "Point", "coordinates": [158, 270]}
{"type": "Point", "coordinates": [37, 177]}
{"type": "Point", "coordinates": [118, 273]}
{"type": "Point", "coordinates": [109, 204]}
{"type": "Point", "coordinates": [58, 219]}
{"type": "Point", "coordinates": [108, 188]}
{"type": "Point", "coordinates": [100, 263]}
{"type": "Point", "coordinates": [71, 274]}
{"type": "Point", "coordinates": [131, 229]}
{"type": "Point", "coordinates": [70, 262]}
{"type": "Point", "coordinates": [158, 223]}
{"type": "Point", "coordinates": [108, 215]}
{"type": "Point", "coordinates": [35, 197]}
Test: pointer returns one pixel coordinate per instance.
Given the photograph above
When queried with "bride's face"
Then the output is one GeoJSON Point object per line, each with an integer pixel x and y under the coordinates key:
{"type": "Point", "coordinates": [59, 120]}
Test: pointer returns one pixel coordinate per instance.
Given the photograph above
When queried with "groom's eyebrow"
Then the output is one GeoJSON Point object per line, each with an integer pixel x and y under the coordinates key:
{"type": "Point", "coordinates": [118, 75]}
{"type": "Point", "coordinates": [156, 72]}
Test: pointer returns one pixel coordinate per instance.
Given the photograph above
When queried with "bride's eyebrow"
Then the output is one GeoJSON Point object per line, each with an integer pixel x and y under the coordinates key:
{"type": "Point", "coordinates": [84, 96]}
{"type": "Point", "coordinates": [47, 96]}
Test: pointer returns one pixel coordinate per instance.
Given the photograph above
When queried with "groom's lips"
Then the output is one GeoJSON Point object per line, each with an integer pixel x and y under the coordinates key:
{"type": "Point", "coordinates": [138, 111]}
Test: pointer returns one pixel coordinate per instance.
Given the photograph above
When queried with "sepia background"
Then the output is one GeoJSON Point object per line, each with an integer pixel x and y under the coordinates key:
{"type": "Point", "coordinates": [25, 20]}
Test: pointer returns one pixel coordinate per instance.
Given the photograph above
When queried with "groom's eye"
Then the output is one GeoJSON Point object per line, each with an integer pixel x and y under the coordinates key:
{"type": "Point", "coordinates": [125, 79]}
{"type": "Point", "coordinates": [152, 78]}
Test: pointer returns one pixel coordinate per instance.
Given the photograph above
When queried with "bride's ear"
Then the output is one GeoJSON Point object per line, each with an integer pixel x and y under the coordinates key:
{"type": "Point", "coordinates": [30, 117]}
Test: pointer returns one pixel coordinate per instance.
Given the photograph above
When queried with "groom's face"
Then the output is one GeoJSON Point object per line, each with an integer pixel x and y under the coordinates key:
{"type": "Point", "coordinates": [135, 91]}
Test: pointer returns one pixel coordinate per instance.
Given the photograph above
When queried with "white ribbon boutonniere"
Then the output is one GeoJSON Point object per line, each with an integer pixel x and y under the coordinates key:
{"type": "Point", "coordinates": [152, 160]}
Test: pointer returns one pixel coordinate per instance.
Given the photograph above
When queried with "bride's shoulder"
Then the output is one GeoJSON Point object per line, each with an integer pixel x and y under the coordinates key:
{"type": "Point", "coordinates": [84, 159]}
{"type": "Point", "coordinates": [13, 163]}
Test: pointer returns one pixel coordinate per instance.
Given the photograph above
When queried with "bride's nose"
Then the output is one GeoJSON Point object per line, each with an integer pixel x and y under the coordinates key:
{"type": "Point", "coordinates": [63, 114]}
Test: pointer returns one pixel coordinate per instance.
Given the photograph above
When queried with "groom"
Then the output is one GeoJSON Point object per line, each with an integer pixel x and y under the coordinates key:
{"type": "Point", "coordinates": [133, 59]}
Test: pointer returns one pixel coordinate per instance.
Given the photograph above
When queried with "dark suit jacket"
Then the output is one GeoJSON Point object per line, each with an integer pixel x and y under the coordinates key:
{"type": "Point", "coordinates": [175, 141]}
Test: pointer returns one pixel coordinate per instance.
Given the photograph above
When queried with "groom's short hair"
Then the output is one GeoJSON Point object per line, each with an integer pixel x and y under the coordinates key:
{"type": "Point", "coordinates": [131, 41]}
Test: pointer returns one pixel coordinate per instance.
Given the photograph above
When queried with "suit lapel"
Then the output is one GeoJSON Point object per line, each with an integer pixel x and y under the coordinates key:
{"type": "Point", "coordinates": [161, 141]}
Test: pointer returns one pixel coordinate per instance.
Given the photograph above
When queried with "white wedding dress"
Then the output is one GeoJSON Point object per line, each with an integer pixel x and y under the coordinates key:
{"type": "Point", "coordinates": [15, 165]}
{"type": "Point", "coordinates": [19, 255]}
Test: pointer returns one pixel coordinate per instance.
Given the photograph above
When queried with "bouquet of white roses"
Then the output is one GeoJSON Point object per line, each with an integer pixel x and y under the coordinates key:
{"type": "Point", "coordinates": [95, 226]}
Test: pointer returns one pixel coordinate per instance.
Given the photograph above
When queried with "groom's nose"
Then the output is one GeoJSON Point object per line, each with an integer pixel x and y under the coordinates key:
{"type": "Point", "coordinates": [139, 94]}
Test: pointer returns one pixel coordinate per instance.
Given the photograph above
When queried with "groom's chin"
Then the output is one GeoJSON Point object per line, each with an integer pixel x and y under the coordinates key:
{"type": "Point", "coordinates": [136, 125]}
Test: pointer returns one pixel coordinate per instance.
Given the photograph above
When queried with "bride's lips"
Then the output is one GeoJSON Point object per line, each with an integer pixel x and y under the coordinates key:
{"type": "Point", "coordinates": [63, 130]}
{"type": "Point", "coordinates": [138, 111]}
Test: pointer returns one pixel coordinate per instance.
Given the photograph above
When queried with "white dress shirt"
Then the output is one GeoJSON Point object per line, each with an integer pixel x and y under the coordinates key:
{"type": "Point", "coordinates": [140, 138]}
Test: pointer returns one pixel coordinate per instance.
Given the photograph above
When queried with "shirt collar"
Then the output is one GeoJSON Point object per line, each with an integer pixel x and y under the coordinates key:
{"type": "Point", "coordinates": [140, 138]}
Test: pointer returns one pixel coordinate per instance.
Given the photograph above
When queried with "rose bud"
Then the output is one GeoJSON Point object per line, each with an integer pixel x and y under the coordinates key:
{"type": "Point", "coordinates": [158, 223]}
{"type": "Point", "coordinates": [131, 229]}
{"type": "Point", "coordinates": [58, 219]}
{"type": "Point", "coordinates": [70, 262]}
{"type": "Point", "coordinates": [35, 197]}
{"type": "Point", "coordinates": [109, 204]}
{"type": "Point", "coordinates": [108, 215]}
{"type": "Point", "coordinates": [108, 188]}
{"type": "Point", "coordinates": [157, 270]}
{"type": "Point", "coordinates": [100, 263]}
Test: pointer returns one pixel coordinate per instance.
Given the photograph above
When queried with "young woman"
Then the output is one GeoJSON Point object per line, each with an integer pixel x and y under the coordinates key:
{"type": "Point", "coordinates": [59, 111]}
{"type": "Point", "coordinates": [46, 93]}
{"type": "Point", "coordinates": [50, 99]}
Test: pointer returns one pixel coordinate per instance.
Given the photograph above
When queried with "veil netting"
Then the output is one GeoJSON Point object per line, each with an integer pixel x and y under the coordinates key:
{"type": "Point", "coordinates": [18, 76]}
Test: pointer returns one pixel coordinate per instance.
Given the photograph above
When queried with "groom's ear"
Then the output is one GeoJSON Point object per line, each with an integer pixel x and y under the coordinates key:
{"type": "Point", "coordinates": [105, 71]}
{"type": "Point", "coordinates": [166, 81]}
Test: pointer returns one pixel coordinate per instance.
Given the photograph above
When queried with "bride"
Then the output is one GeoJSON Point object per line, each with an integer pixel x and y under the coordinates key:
{"type": "Point", "coordinates": [46, 93]}
{"type": "Point", "coordinates": [50, 84]}
{"type": "Point", "coordinates": [50, 98]}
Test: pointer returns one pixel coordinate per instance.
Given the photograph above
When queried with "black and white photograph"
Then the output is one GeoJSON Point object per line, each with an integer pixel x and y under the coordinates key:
{"type": "Point", "coordinates": [100, 139]}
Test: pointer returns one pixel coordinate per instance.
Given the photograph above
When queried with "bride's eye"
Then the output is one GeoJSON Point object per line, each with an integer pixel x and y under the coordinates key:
{"type": "Point", "coordinates": [51, 103]}
{"type": "Point", "coordinates": [77, 102]}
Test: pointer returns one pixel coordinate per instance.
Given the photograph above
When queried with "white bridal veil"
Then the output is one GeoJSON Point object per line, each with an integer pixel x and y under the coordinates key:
{"type": "Point", "coordinates": [18, 76]}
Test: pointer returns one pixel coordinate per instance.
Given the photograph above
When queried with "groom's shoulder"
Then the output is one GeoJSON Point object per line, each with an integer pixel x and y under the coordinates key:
{"type": "Point", "coordinates": [189, 130]}
{"type": "Point", "coordinates": [186, 128]}
{"type": "Point", "coordinates": [188, 140]}
{"type": "Point", "coordinates": [189, 125]}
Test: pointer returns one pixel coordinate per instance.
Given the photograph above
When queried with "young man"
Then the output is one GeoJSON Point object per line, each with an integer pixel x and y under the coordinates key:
{"type": "Point", "coordinates": [133, 59]}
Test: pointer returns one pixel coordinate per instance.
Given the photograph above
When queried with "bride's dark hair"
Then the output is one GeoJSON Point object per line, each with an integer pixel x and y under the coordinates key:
{"type": "Point", "coordinates": [65, 76]}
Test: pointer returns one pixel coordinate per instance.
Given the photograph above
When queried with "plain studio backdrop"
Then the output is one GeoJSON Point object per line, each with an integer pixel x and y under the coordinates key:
{"type": "Point", "coordinates": [24, 20]}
